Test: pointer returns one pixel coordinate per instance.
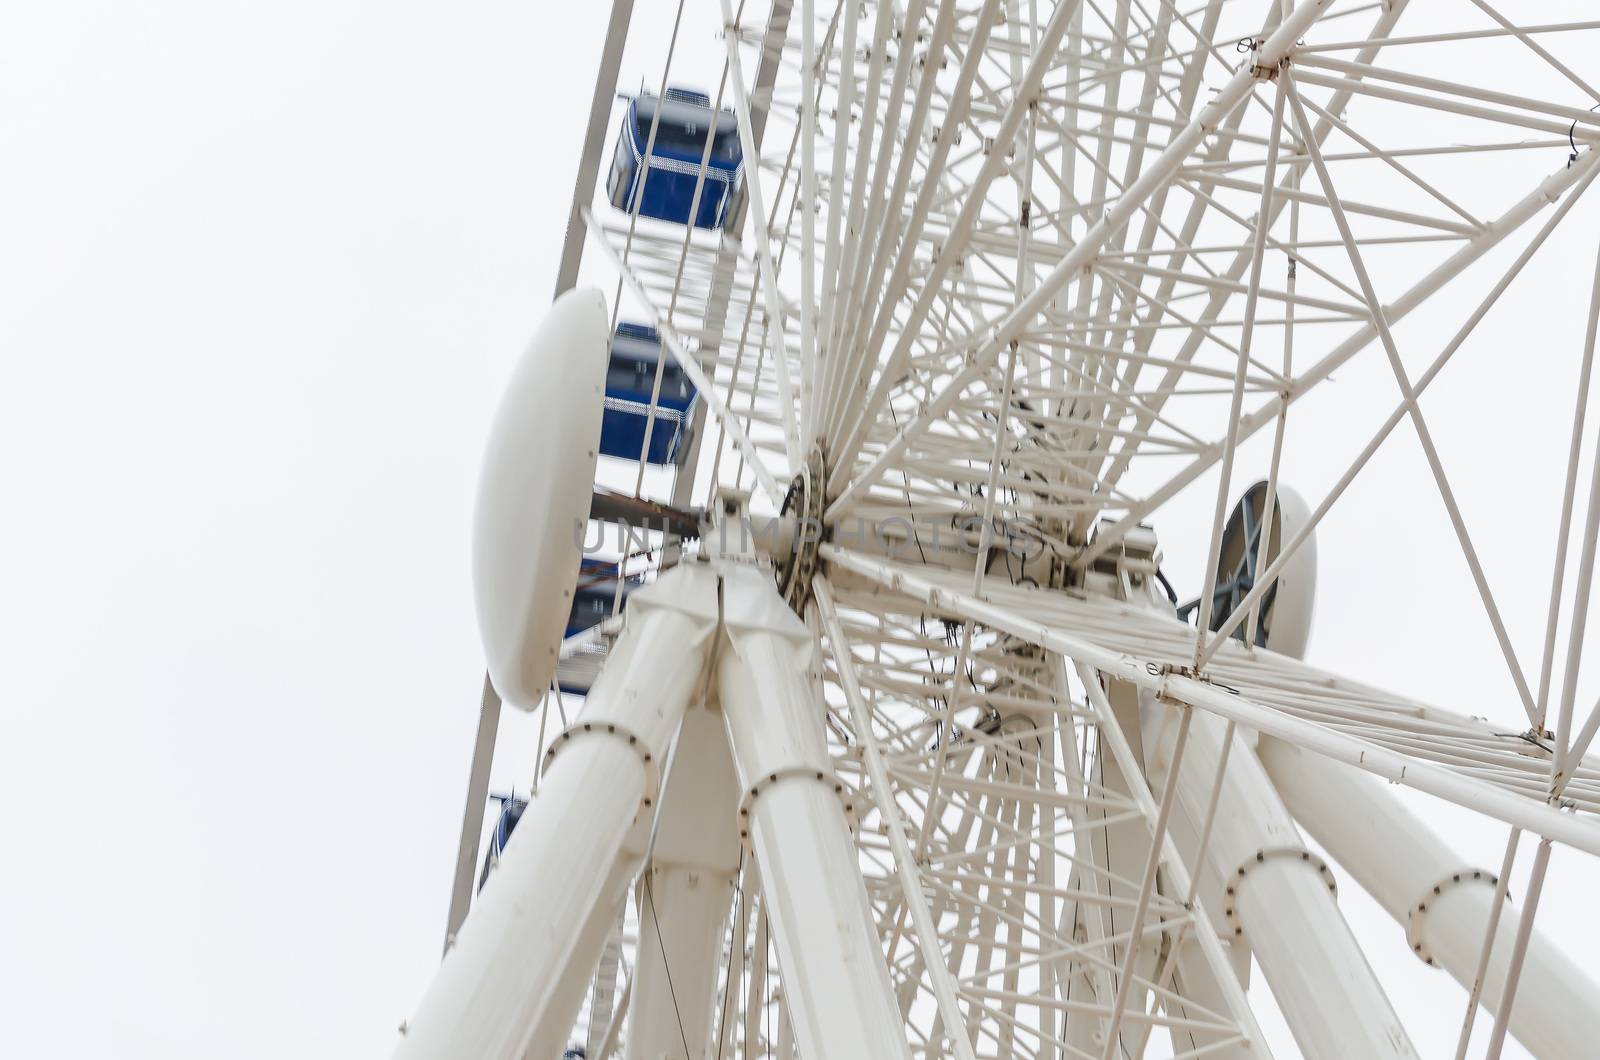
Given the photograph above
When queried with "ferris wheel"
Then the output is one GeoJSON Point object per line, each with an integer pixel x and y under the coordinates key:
{"type": "Point", "coordinates": [919, 327]}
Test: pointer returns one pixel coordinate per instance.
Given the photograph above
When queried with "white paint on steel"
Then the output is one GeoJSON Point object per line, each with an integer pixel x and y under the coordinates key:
{"type": "Point", "coordinates": [1333, 1002]}
{"type": "Point", "coordinates": [899, 383]}
{"type": "Point", "coordinates": [944, 987]}
{"type": "Point", "coordinates": [839, 996]}
{"type": "Point", "coordinates": [533, 495]}
{"type": "Point", "coordinates": [685, 895]}
{"type": "Point", "coordinates": [1582, 833]}
{"type": "Point", "coordinates": [1434, 894]}
{"type": "Point", "coordinates": [521, 963]}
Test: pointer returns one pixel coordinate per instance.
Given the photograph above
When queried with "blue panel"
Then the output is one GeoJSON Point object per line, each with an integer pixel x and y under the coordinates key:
{"type": "Point", "coordinates": [510, 813]}
{"type": "Point", "coordinates": [511, 809]}
{"type": "Point", "coordinates": [636, 354]}
{"type": "Point", "coordinates": [622, 429]}
{"type": "Point", "coordinates": [596, 591]}
{"type": "Point", "coordinates": [593, 599]}
{"type": "Point", "coordinates": [673, 166]}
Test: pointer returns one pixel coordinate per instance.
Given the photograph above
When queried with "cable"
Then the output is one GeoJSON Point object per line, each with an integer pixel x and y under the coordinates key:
{"type": "Point", "coordinates": [1172, 594]}
{"type": "Point", "coordinates": [650, 898]}
{"type": "Point", "coordinates": [727, 994]}
{"type": "Point", "coordinates": [1572, 137]}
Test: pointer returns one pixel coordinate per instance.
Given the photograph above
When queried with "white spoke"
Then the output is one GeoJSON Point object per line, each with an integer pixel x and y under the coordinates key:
{"type": "Point", "coordinates": [1415, 411]}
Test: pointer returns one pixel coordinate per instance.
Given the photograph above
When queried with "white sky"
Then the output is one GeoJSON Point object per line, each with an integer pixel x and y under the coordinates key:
{"type": "Point", "coordinates": [264, 268]}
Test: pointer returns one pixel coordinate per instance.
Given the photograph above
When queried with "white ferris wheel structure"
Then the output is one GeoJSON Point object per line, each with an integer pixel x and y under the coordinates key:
{"type": "Point", "coordinates": [917, 337]}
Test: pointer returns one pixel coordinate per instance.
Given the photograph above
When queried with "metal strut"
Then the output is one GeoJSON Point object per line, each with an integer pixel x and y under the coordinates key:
{"type": "Point", "coordinates": [513, 983]}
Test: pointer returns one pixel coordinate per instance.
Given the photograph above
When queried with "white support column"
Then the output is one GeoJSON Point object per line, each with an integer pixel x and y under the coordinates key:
{"type": "Point", "coordinates": [515, 978]}
{"type": "Point", "coordinates": [685, 896]}
{"type": "Point", "coordinates": [820, 916]}
{"type": "Point", "coordinates": [1278, 898]}
{"type": "Point", "coordinates": [1442, 902]}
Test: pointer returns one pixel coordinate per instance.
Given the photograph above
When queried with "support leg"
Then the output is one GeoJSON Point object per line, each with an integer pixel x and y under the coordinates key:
{"type": "Point", "coordinates": [1443, 903]}
{"type": "Point", "coordinates": [516, 975]}
{"type": "Point", "coordinates": [685, 896]}
{"type": "Point", "coordinates": [1327, 991]}
{"type": "Point", "coordinates": [839, 996]}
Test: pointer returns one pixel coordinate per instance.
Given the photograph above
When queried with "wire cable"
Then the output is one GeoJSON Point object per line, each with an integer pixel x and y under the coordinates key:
{"type": "Point", "coordinates": [650, 900]}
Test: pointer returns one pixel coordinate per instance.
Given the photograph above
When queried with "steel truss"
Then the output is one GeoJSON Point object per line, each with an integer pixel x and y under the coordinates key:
{"type": "Point", "coordinates": [1014, 276]}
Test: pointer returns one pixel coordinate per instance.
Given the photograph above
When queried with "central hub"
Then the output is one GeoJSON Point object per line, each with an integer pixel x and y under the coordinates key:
{"type": "Point", "coordinates": [804, 504]}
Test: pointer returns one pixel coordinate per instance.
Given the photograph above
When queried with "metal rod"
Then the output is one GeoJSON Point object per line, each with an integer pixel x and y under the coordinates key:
{"type": "Point", "coordinates": [1501, 888]}
{"type": "Point", "coordinates": [675, 345]}
{"type": "Point", "coordinates": [1072, 265]}
{"type": "Point", "coordinates": [774, 330]}
{"type": "Point", "coordinates": [1532, 816]}
{"type": "Point", "coordinates": [1146, 886]}
{"type": "Point", "coordinates": [1519, 951]}
{"type": "Point", "coordinates": [1564, 527]}
{"type": "Point", "coordinates": [1265, 580]}
{"type": "Point", "coordinates": [807, 190]}
{"type": "Point", "coordinates": [472, 815]}
{"type": "Point", "coordinates": [1424, 435]}
{"type": "Point", "coordinates": [908, 875]}
{"type": "Point", "coordinates": [1258, 256]}
{"type": "Point", "coordinates": [594, 134]}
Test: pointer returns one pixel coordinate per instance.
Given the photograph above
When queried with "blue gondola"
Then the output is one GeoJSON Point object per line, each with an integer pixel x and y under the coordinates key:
{"type": "Point", "coordinates": [675, 157]}
{"type": "Point", "coordinates": [511, 807]}
{"type": "Point", "coordinates": [592, 603]}
{"type": "Point", "coordinates": [596, 592]}
{"type": "Point", "coordinates": [635, 352]}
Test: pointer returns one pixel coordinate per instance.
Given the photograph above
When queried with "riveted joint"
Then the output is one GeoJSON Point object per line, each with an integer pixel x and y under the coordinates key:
{"type": "Point", "coordinates": [1254, 863]}
{"type": "Point", "coordinates": [1416, 916]}
{"type": "Point", "coordinates": [797, 773]}
{"type": "Point", "coordinates": [614, 731]}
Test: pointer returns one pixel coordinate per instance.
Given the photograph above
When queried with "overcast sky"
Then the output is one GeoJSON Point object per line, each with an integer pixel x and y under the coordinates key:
{"type": "Point", "coordinates": [264, 268]}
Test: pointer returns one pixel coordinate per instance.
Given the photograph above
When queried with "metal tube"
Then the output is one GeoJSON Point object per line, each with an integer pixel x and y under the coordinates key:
{"type": "Point", "coordinates": [1519, 952]}
{"type": "Point", "coordinates": [1444, 903]}
{"type": "Point", "coordinates": [1558, 566]}
{"type": "Point", "coordinates": [763, 237]}
{"type": "Point", "coordinates": [1257, 260]}
{"type": "Point", "coordinates": [944, 988]}
{"type": "Point", "coordinates": [1265, 579]}
{"type": "Point", "coordinates": [685, 895]}
{"type": "Point", "coordinates": [808, 212]}
{"type": "Point", "coordinates": [605, 83]}
{"type": "Point", "coordinates": [566, 278]}
{"type": "Point", "coordinates": [515, 978]}
{"type": "Point", "coordinates": [697, 375]}
{"type": "Point", "coordinates": [1019, 107]}
{"type": "Point", "coordinates": [472, 817]}
{"type": "Point", "coordinates": [1491, 932]}
{"type": "Point", "coordinates": [820, 915]}
{"type": "Point", "coordinates": [1318, 974]}
{"type": "Point", "coordinates": [1408, 391]}
{"type": "Point", "coordinates": [1205, 934]}
{"type": "Point", "coordinates": [1549, 191]}
{"type": "Point", "coordinates": [1146, 887]}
